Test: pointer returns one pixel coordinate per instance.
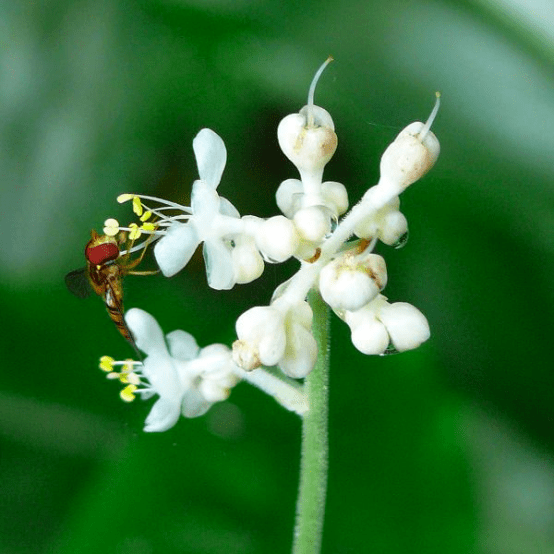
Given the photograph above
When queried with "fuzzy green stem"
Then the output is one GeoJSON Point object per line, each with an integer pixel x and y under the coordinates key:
{"type": "Point", "coordinates": [310, 507]}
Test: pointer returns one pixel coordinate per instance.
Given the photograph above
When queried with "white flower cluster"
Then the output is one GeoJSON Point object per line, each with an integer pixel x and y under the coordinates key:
{"type": "Point", "coordinates": [336, 257]}
{"type": "Point", "coordinates": [188, 379]}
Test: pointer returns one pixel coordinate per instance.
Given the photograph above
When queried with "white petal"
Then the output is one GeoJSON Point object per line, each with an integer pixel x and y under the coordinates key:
{"type": "Point", "coordinates": [146, 330]}
{"type": "Point", "coordinates": [175, 249]}
{"type": "Point", "coordinates": [182, 345]}
{"type": "Point", "coordinates": [211, 156]}
{"type": "Point", "coordinates": [219, 265]}
{"type": "Point", "coordinates": [194, 404]}
{"type": "Point", "coordinates": [218, 354]}
{"type": "Point", "coordinates": [161, 371]}
{"type": "Point", "coordinates": [214, 391]}
{"type": "Point", "coordinates": [226, 208]}
{"type": "Point", "coordinates": [163, 415]}
{"type": "Point", "coordinates": [204, 200]}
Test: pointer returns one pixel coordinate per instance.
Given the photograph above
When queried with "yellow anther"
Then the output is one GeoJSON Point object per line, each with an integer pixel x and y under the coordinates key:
{"type": "Point", "coordinates": [130, 377]}
{"type": "Point", "coordinates": [111, 227]}
{"type": "Point", "coordinates": [106, 363]}
{"type": "Point", "coordinates": [123, 378]}
{"type": "Point", "coordinates": [113, 375]}
{"type": "Point", "coordinates": [137, 206]}
{"type": "Point", "coordinates": [148, 226]}
{"type": "Point", "coordinates": [135, 233]}
{"type": "Point", "coordinates": [145, 216]}
{"type": "Point", "coordinates": [127, 394]}
{"type": "Point", "coordinates": [128, 365]}
{"type": "Point", "coordinates": [125, 197]}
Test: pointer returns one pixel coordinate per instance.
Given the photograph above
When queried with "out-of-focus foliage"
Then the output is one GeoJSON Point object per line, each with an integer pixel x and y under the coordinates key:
{"type": "Point", "coordinates": [447, 449]}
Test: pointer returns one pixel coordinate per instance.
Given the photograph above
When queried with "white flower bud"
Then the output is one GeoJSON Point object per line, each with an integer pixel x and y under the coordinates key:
{"type": "Point", "coordinates": [394, 227]}
{"type": "Point", "coordinates": [289, 196]}
{"type": "Point", "coordinates": [350, 282]}
{"type": "Point", "coordinates": [336, 197]}
{"type": "Point", "coordinates": [309, 146]}
{"type": "Point", "coordinates": [313, 223]}
{"type": "Point", "coordinates": [261, 334]}
{"type": "Point", "coordinates": [412, 154]}
{"type": "Point", "coordinates": [368, 335]}
{"type": "Point", "coordinates": [371, 226]}
{"type": "Point", "coordinates": [407, 326]}
{"type": "Point", "coordinates": [301, 351]}
{"type": "Point", "coordinates": [308, 138]}
{"type": "Point", "coordinates": [277, 238]}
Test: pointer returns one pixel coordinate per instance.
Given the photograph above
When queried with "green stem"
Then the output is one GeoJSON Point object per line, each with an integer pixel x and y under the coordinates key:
{"type": "Point", "coordinates": [310, 507]}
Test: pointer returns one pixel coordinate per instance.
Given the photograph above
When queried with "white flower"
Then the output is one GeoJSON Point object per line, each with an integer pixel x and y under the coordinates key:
{"type": "Point", "coordinates": [279, 335]}
{"type": "Point", "coordinates": [352, 280]}
{"type": "Point", "coordinates": [209, 222]}
{"type": "Point", "coordinates": [187, 379]}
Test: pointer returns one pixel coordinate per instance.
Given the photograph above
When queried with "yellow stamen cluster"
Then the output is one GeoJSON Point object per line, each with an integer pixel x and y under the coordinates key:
{"type": "Point", "coordinates": [127, 375]}
{"type": "Point", "coordinates": [138, 208]}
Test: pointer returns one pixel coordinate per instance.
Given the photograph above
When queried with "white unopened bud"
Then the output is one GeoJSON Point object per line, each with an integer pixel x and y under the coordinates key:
{"type": "Point", "coordinates": [407, 326]}
{"type": "Point", "coordinates": [277, 238]}
{"type": "Point", "coordinates": [351, 281]}
{"type": "Point", "coordinates": [412, 154]}
{"type": "Point", "coordinates": [308, 138]}
{"type": "Point", "coordinates": [336, 197]}
{"type": "Point", "coordinates": [387, 224]}
{"type": "Point", "coordinates": [379, 327]}
{"type": "Point", "coordinates": [309, 148]}
{"type": "Point", "coordinates": [313, 223]}
{"type": "Point", "coordinates": [289, 196]}
{"type": "Point", "coordinates": [262, 339]}
{"type": "Point", "coordinates": [395, 226]}
{"type": "Point", "coordinates": [369, 335]}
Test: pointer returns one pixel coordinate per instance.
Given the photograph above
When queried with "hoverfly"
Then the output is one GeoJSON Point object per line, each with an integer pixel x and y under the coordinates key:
{"type": "Point", "coordinates": [104, 273]}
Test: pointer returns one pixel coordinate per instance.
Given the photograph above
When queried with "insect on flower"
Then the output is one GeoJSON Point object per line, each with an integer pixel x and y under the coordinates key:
{"type": "Point", "coordinates": [104, 272]}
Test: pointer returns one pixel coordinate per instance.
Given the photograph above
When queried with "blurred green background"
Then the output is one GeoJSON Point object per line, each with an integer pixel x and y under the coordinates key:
{"type": "Point", "coordinates": [448, 449]}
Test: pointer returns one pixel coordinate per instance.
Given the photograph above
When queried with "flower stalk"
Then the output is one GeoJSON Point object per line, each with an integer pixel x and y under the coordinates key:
{"type": "Point", "coordinates": [310, 506]}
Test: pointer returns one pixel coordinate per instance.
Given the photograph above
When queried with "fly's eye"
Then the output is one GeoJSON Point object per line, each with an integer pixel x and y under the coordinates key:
{"type": "Point", "coordinates": [102, 253]}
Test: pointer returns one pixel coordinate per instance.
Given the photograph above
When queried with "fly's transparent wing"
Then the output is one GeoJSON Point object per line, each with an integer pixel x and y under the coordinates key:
{"type": "Point", "coordinates": [77, 283]}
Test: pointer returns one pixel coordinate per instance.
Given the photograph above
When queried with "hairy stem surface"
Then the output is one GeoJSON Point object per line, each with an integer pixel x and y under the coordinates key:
{"type": "Point", "coordinates": [310, 507]}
